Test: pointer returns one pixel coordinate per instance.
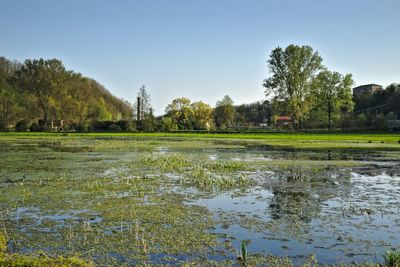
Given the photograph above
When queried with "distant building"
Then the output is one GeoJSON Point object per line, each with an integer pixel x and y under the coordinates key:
{"type": "Point", "coordinates": [57, 125]}
{"type": "Point", "coordinates": [283, 121]}
{"type": "Point", "coordinates": [368, 88]}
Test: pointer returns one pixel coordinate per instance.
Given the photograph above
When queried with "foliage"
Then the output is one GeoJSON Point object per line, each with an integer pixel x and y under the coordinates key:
{"type": "Point", "coordinates": [181, 112]}
{"type": "Point", "coordinates": [44, 80]}
{"type": "Point", "coordinates": [254, 114]}
{"type": "Point", "coordinates": [244, 250]}
{"type": "Point", "coordinates": [22, 126]}
{"type": "Point", "coordinates": [293, 70]}
{"type": "Point", "coordinates": [44, 89]}
{"type": "Point", "coordinates": [168, 124]}
{"type": "Point", "coordinates": [143, 108]}
{"type": "Point", "coordinates": [333, 96]}
{"type": "Point", "coordinates": [201, 116]}
{"type": "Point", "coordinates": [127, 126]}
{"type": "Point", "coordinates": [392, 258]}
{"type": "Point", "coordinates": [224, 113]}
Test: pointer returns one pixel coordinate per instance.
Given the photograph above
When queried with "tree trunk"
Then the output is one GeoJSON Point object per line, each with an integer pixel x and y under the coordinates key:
{"type": "Point", "coordinates": [329, 121]}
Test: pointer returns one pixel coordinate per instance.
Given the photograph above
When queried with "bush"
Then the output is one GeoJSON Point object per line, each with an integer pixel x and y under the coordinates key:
{"type": "Point", "coordinates": [114, 128]}
{"type": "Point", "coordinates": [127, 126]}
{"type": "Point", "coordinates": [81, 127]}
{"type": "Point", "coordinates": [22, 126]}
{"type": "Point", "coordinates": [35, 127]}
{"type": "Point", "coordinates": [100, 126]}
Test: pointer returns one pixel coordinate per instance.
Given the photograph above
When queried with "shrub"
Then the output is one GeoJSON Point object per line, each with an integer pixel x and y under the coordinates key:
{"type": "Point", "coordinates": [114, 128]}
{"type": "Point", "coordinates": [81, 127]}
{"type": "Point", "coordinates": [35, 127]}
{"type": "Point", "coordinates": [127, 126]}
{"type": "Point", "coordinates": [22, 126]}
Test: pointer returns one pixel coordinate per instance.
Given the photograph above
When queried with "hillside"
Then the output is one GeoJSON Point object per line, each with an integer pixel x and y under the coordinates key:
{"type": "Point", "coordinates": [43, 92]}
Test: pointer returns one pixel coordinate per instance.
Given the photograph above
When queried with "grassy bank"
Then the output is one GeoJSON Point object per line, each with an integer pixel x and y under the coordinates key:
{"type": "Point", "coordinates": [380, 141]}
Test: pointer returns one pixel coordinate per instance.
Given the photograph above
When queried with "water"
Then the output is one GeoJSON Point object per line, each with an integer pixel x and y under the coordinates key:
{"type": "Point", "coordinates": [299, 203]}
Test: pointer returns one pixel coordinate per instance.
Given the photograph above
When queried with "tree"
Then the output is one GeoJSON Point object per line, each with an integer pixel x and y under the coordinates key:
{"type": "Point", "coordinates": [293, 71]}
{"type": "Point", "coordinates": [201, 116]}
{"type": "Point", "coordinates": [253, 113]}
{"type": "Point", "coordinates": [181, 112]}
{"type": "Point", "coordinates": [224, 113]}
{"type": "Point", "coordinates": [44, 79]}
{"type": "Point", "coordinates": [79, 92]}
{"type": "Point", "coordinates": [9, 106]}
{"type": "Point", "coordinates": [333, 95]}
{"type": "Point", "coordinates": [168, 124]}
{"type": "Point", "coordinates": [142, 106]}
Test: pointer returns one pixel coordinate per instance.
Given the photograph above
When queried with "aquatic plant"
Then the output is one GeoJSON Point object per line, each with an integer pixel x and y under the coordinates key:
{"type": "Point", "coordinates": [244, 250]}
{"type": "Point", "coordinates": [392, 258]}
{"type": "Point", "coordinates": [165, 162]}
{"type": "Point", "coordinates": [39, 260]}
{"type": "Point", "coordinates": [204, 178]}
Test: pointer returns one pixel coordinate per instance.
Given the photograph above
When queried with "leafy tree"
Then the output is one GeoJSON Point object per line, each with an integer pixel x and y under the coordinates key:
{"type": "Point", "coordinates": [149, 122]}
{"type": "Point", "coordinates": [254, 113]}
{"type": "Point", "coordinates": [44, 79]}
{"type": "Point", "coordinates": [10, 109]}
{"type": "Point", "coordinates": [224, 113]}
{"type": "Point", "coordinates": [293, 70]}
{"type": "Point", "coordinates": [333, 95]}
{"type": "Point", "coordinates": [181, 112]}
{"type": "Point", "coordinates": [201, 116]}
{"type": "Point", "coordinates": [77, 102]}
{"type": "Point", "coordinates": [168, 124]}
{"type": "Point", "coordinates": [98, 111]}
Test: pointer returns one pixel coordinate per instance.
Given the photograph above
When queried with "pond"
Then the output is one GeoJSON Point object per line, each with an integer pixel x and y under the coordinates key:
{"type": "Point", "coordinates": [130, 201]}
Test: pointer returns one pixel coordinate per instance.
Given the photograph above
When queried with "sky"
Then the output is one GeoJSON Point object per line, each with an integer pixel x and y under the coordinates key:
{"type": "Point", "coordinates": [201, 49]}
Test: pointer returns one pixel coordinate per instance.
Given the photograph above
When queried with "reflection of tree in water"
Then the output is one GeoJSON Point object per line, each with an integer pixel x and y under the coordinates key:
{"type": "Point", "coordinates": [295, 154]}
{"type": "Point", "coordinates": [300, 191]}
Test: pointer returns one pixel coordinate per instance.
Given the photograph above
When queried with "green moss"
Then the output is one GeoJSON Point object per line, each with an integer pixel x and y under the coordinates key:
{"type": "Point", "coordinates": [17, 260]}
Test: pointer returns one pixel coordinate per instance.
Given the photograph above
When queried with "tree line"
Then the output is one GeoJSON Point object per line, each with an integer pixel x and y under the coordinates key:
{"type": "Point", "coordinates": [315, 97]}
{"type": "Point", "coordinates": [39, 94]}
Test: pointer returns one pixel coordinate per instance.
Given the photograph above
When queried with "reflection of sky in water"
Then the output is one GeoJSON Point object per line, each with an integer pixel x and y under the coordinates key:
{"type": "Point", "coordinates": [347, 222]}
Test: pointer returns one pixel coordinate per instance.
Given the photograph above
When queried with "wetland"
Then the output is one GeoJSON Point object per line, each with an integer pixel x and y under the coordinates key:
{"type": "Point", "coordinates": [167, 201]}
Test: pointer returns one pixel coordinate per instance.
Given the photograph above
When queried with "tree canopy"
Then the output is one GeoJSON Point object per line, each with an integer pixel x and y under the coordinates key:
{"type": "Point", "coordinates": [292, 72]}
{"type": "Point", "coordinates": [42, 90]}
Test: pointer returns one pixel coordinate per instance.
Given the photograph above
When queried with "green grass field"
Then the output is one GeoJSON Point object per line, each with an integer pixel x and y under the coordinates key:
{"type": "Point", "coordinates": [384, 141]}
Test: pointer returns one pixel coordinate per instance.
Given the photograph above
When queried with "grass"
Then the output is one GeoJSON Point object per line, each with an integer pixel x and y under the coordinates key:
{"type": "Point", "coordinates": [385, 141]}
{"type": "Point", "coordinates": [392, 258]}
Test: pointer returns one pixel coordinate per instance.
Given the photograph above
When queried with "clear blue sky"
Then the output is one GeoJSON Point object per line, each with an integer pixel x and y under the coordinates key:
{"type": "Point", "coordinates": [201, 49]}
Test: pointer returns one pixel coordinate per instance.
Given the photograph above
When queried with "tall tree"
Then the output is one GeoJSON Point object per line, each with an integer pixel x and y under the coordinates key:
{"type": "Point", "coordinates": [224, 112]}
{"type": "Point", "coordinates": [293, 70]}
{"type": "Point", "coordinates": [333, 95]}
{"type": "Point", "coordinates": [44, 79]}
{"type": "Point", "coordinates": [142, 106]}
